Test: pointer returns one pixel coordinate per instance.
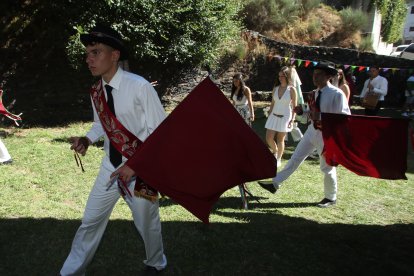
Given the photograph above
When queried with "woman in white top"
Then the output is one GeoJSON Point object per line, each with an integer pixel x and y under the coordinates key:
{"type": "Point", "coordinates": [281, 116]}
{"type": "Point", "coordinates": [340, 82]}
{"type": "Point", "coordinates": [241, 97]}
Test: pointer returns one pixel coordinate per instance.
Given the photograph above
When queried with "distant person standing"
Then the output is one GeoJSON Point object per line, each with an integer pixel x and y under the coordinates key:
{"type": "Point", "coordinates": [340, 81]}
{"type": "Point", "coordinates": [375, 85]}
{"type": "Point", "coordinates": [5, 157]}
{"type": "Point", "coordinates": [241, 98]}
{"type": "Point", "coordinates": [409, 98]}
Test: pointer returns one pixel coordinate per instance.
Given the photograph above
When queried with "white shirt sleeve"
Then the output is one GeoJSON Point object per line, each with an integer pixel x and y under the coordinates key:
{"type": "Point", "coordinates": [96, 130]}
{"type": "Point", "coordinates": [154, 111]}
{"type": "Point", "coordinates": [342, 104]}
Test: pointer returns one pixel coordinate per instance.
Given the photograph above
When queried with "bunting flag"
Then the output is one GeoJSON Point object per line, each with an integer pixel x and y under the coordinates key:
{"type": "Point", "coordinates": [346, 66]}
{"type": "Point", "coordinates": [366, 145]}
{"type": "Point", "coordinates": [203, 148]}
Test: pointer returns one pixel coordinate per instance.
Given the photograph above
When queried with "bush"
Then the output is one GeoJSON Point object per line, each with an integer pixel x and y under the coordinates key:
{"type": "Point", "coordinates": [352, 20]}
{"type": "Point", "coordinates": [309, 5]}
{"type": "Point", "coordinates": [314, 26]}
{"type": "Point", "coordinates": [366, 44]}
{"type": "Point", "coordinates": [164, 38]}
{"type": "Point", "coordinates": [174, 33]}
{"type": "Point", "coordinates": [393, 18]}
{"type": "Point", "coordinates": [265, 15]}
{"type": "Point", "coordinates": [274, 15]}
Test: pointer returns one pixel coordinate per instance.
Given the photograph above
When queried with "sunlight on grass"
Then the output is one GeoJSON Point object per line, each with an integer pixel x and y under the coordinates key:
{"type": "Point", "coordinates": [43, 194]}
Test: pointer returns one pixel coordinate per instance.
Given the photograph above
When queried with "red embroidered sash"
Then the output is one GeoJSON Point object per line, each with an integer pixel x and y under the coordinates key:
{"type": "Point", "coordinates": [8, 114]}
{"type": "Point", "coordinates": [121, 138]}
{"type": "Point", "coordinates": [315, 113]}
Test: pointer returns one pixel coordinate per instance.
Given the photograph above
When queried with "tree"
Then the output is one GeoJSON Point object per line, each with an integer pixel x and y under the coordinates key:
{"type": "Point", "coordinates": [166, 34]}
{"type": "Point", "coordinates": [393, 14]}
{"type": "Point", "coordinates": [39, 40]}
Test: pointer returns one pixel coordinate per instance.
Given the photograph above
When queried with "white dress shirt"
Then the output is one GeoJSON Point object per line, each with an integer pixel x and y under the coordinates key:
{"type": "Point", "coordinates": [380, 87]}
{"type": "Point", "coordinates": [137, 107]}
{"type": "Point", "coordinates": [333, 100]}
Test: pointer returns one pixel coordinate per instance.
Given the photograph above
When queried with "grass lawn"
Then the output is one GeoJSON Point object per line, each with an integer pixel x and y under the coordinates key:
{"type": "Point", "coordinates": [370, 231]}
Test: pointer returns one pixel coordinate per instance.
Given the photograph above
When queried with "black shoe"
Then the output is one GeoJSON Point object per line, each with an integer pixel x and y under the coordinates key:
{"type": "Point", "coordinates": [150, 270]}
{"type": "Point", "coordinates": [267, 185]}
{"type": "Point", "coordinates": [8, 162]}
{"type": "Point", "coordinates": [326, 203]}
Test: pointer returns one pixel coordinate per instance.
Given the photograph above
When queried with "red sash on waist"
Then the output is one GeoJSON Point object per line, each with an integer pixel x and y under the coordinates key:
{"type": "Point", "coordinates": [315, 113]}
{"type": "Point", "coordinates": [121, 138]}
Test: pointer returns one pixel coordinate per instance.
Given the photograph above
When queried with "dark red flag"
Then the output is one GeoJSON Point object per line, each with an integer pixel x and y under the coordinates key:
{"type": "Point", "coordinates": [366, 145]}
{"type": "Point", "coordinates": [202, 149]}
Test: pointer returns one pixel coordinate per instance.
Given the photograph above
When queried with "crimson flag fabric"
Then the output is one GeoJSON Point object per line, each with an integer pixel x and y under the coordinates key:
{"type": "Point", "coordinates": [203, 148]}
{"type": "Point", "coordinates": [366, 145]}
{"type": "Point", "coordinates": [6, 113]}
{"type": "Point", "coordinates": [412, 137]}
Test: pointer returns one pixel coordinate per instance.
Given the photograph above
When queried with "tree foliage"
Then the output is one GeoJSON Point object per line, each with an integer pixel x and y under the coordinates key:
{"type": "Point", "coordinates": [40, 38]}
{"type": "Point", "coordinates": [265, 15]}
{"type": "Point", "coordinates": [393, 14]}
{"type": "Point", "coordinates": [352, 20]}
{"type": "Point", "coordinates": [175, 33]}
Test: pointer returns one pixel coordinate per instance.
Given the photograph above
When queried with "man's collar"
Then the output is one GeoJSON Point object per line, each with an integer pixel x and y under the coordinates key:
{"type": "Point", "coordinates": [116, 79]}
{"type": "Point", "coordinates": [328, 84]}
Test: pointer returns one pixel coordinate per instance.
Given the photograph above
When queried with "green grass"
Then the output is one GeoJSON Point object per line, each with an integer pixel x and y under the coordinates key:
{"type": "Point", "coordinates": [43, 193]}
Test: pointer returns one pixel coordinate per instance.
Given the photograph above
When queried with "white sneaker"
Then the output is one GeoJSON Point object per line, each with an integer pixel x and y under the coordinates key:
{"type": "Point", "coordinates": [405, 114]}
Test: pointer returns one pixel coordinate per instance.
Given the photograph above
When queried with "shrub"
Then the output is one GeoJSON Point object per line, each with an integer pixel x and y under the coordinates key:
{"type": "Point", "coordinates": [393, 18]}
{"type": "Point", "coordinates": [366, 44]}
{"type": "Point", "coordinates": [309, 5]}
{"type": "Point", "coordinates": [264, 15]}
{"type": "Point", "coordinates": [172, 33]}
{"type": "Point", "coordinates": [352, 20]}
{"type": "Point", "coordinates": [314, 26]}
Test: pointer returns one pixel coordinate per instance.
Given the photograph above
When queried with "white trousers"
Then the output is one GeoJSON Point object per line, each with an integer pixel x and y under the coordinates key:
{"type": "Point", "coordinates": [312, 139]}
{"type": "Point", "coordinates": [97, 212]}
{"type": "Point", "coordinates": [4, 154]}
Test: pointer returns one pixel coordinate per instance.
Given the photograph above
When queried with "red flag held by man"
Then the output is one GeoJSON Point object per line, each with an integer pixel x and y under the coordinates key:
{"type": "Point", "coordinates": [366, 145]}
{"type": "Point", "coordinates": [202, 149]}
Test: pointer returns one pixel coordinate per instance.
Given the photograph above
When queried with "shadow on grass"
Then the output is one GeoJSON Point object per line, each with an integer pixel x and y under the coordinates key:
{"type": "Point", "coordinates": [264, 244]}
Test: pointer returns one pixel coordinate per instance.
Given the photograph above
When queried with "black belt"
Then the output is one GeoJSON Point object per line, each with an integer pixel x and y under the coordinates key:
{"type": "Point", "coordinates": [279, 116]}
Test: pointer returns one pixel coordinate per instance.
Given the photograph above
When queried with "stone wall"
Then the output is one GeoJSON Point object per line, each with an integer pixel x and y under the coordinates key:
{"type": "Point", "coordinates": [260, 69]}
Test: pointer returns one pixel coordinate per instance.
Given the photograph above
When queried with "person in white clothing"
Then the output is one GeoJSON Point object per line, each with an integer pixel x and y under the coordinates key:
{"type": "Point", "coordinates": [409, 98]}
{"type": "Point", "coordinates": [327, 98]}
{"type": "Point", "coordinates": [375, 84]}
{"type": "Point", "coordinates": [241, 98]}
{"type": "Point", "coordinates": [5, 157]}
{"type": "Point", "coordinates": [134, 103]}
{"type": "Point", "coordinates": [281, 116]}
{"type": "Point", "coordinates": [340, 81]}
